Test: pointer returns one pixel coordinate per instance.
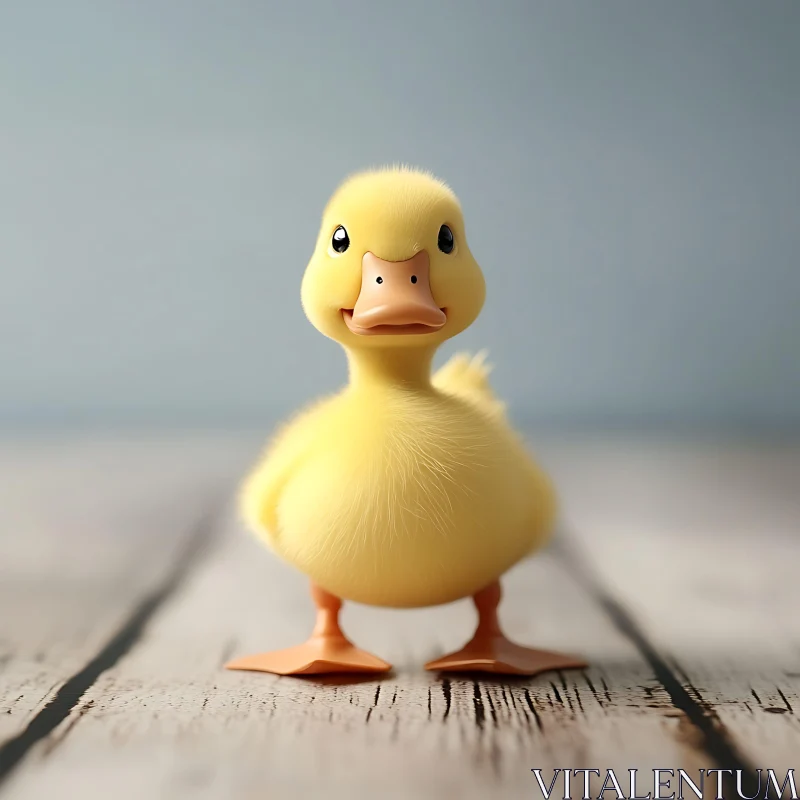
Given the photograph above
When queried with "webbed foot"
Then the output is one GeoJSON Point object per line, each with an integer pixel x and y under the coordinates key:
{"type": "Point", "coordinates": [320, 655]}
{"type": "Point", "coordinates": [490, 650]}
{"type": "Point", "coordinates": [501, 656]}
{"type": "Point", "coordinates": [327, 651]}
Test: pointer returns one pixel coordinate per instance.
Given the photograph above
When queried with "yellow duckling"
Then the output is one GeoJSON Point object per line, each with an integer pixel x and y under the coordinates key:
{"type": "Point", "coordinates": [404, 489]}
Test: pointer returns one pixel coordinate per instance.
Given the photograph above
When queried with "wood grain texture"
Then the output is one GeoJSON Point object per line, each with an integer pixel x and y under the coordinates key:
{"type": "Point", "coordinates": [704, 552]}
{"type": "Point", "coordinates": [88, 529]}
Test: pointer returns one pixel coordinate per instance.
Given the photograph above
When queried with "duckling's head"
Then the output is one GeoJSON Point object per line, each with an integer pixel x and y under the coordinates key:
{"type": "Point", "coordinates": [391, 267]}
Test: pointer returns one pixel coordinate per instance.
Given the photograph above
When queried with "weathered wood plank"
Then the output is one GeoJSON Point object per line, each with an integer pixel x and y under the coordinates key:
{"type": "Point", "coordinates": [167, 721]}
{"type": "Point", "coordinates": [88, 529]}
{"type": "Point", "coordinates": [655, 519]}
{"type": "Point", "coordinates": [702, 544]}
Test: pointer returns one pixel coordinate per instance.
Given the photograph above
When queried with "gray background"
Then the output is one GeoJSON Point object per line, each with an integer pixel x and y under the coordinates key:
{"type": "Point", "coordinates": [629, 173]}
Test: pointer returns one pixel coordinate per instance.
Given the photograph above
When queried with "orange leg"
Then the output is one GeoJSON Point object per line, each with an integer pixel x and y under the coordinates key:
{"type": "Point", "coordinates": [490, 651]}
{"type": "Point", "coordinates": [327, 651]}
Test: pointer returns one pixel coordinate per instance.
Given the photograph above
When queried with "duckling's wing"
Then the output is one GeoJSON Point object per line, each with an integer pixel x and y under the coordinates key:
{"type": "Point", "coordinates": [261, 491]}
{"type": "Point", "coordinates": [467, 377]}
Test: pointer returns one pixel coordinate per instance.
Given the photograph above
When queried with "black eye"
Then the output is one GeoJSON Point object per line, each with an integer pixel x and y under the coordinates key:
{"type": "Point", "coordinates": [446, 241]}
{"type": "Point", "coordinates": [341, 241]}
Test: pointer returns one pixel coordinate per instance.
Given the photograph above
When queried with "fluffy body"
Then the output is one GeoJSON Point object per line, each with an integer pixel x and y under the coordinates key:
{"type": "Point", "coordinates": [396, 496]}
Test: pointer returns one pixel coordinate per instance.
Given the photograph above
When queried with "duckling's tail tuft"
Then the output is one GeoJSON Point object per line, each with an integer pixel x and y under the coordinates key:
{"type": "Point", "coordinates": [467, 376]}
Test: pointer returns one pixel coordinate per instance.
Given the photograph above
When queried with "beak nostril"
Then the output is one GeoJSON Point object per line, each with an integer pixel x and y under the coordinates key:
{"type": "Point", "coordinates": [413, 279]}
{"type": "Point", "coordinates": [379, 279]}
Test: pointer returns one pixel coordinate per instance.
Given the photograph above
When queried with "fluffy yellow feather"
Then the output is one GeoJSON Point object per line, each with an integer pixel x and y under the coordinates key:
{"type": "Point", "coordinates": [406, 488]}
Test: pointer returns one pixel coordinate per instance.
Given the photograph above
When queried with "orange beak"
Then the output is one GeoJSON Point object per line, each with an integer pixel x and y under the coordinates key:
{"type": "Point", "coordinates": [395, 298]}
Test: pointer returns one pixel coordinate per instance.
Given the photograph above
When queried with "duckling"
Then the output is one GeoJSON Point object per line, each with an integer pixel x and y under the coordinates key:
{"type": "Point", "coordinates": [405, 489]}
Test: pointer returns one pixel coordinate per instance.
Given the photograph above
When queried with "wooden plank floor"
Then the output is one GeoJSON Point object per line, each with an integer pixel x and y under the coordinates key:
{"type": "Point", "coordinates": [126, 582]}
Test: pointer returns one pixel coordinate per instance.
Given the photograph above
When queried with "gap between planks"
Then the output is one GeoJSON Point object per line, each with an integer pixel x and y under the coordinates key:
{"type": "Point", "coordinates": [714, 739]}
{"type": "Point", "coordinates": [58, 709]}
